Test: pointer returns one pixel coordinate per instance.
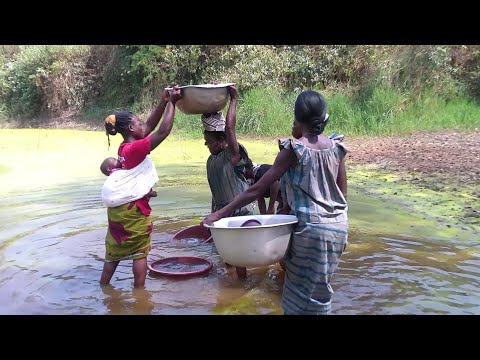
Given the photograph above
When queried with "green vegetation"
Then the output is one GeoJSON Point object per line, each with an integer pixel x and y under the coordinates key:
{"type": "Point", "coordinates": [39, 159]}
{"type": "Point", "coordinates": [370, 89]}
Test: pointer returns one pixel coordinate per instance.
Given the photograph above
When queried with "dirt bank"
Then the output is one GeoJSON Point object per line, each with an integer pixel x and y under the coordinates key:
{"type": "Point", "coordinates": [437, 172]}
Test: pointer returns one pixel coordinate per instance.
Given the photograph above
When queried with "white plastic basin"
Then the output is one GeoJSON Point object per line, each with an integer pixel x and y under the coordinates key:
{"type": "Point", "coordinates": [254, 246]}
{"type": "Point", "coordinates": [203, 99]}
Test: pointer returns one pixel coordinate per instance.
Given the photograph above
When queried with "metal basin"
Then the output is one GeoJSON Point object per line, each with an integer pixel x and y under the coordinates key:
{"type": "Point", "coordinates": [203, 99]}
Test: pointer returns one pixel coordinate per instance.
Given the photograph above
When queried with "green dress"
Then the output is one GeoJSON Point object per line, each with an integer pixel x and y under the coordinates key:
{"type": "Point", "coordinates": [226, 181]}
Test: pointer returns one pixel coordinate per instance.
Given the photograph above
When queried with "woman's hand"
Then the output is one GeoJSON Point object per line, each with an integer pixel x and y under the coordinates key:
{"type": "Point", "coordinates": [232, 90]}
{"type": "Point", "coordinates": [175, 94]}
{"type": "Point", "coordinates": [166, 95]}
{"type": "Point", "coordinates": [210, 219]}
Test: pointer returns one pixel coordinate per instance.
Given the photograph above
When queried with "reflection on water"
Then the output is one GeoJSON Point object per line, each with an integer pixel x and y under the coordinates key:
{"type": "Point", "coordinates": [52, 247]}
{"type": "Point", "coordinates": [120, 302]}
{"type": "Point", "coordinates": [176, 265]}
{"type": "Point", "coordinates": [405, 276]}
{"type": "Point", "coordinates": [192, 242]}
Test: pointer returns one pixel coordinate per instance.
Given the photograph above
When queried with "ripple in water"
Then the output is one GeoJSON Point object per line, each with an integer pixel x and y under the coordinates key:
{"type": "Point", "coordinates": [179, 265]}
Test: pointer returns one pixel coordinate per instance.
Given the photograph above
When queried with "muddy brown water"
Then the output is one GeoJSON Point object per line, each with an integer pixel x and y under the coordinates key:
{"type": "Point", "coordinates": [52, 247]}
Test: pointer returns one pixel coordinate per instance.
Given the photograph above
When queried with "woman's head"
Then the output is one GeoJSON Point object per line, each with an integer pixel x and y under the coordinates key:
{"type": "Point", "coordinates": [310, 114]}
{"type": "Point", "coordinates": [216, 141]}
{"type": "Point", "coordinates": [125, 123]}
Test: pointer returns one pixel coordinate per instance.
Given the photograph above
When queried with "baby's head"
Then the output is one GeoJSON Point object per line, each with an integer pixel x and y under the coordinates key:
{"type": "Point", "coordinates": [109, 164]}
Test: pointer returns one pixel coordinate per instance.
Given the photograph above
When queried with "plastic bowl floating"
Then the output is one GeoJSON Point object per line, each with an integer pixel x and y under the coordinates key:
{"type": "Point", "coordinates": [181, 266]}
{"type": "Point", "coordinates": [203, 99]}
{"type": "Point", "coordinates": [194, 232]}
{"type": "Point", "coordinates": [252, 245]}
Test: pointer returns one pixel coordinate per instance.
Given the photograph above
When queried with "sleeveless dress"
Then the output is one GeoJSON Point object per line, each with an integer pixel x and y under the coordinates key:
{"type": "Point", "coordinates": [320, 237]}
{"type": "Point", "coordinates": [227, 181]}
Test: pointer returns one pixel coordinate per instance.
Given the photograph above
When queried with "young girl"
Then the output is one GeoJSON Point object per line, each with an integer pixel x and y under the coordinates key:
{"type": "Point", "coordinates": [316, 191]}
{"type": "Point", "coordinates": [226, 164]}
{"type": "Point", "coordinates": [129, 225]}
{"type": "Point", "coordinates": [255, 173]}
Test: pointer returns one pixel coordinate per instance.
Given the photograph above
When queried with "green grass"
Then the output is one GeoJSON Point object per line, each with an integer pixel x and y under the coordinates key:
{"type": "Point", "coordinates": [259, 113]}
{"type": "Point", "coordinates": [39, 160]}
{"type": "Point", "coordinates": [387, 111]}
{"type": "Point", "coordinates": [374, 111]}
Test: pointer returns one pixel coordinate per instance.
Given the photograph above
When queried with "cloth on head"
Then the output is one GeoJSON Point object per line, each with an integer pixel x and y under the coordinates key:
{"type": "Point", "coordinates": [111, 119]}
{"type": "Point", "coordinates": [214, 122]}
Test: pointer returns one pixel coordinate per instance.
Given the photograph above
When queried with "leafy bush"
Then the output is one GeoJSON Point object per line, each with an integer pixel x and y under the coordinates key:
{"type": "Point", "coordinates": [46, 79]}
{"type": "Point", "coordinates": [370, 86]}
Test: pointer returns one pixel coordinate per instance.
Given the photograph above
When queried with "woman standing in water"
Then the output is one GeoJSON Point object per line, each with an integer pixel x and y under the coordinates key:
{"type": "Point", "coordinates": [316, 192]}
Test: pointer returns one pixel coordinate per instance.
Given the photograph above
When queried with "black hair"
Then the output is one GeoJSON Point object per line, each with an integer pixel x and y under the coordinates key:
{"type": "Point", "coordinates": [104, 167]}
{"type": "Point", "coordinates": [311, 109]}
{"type": "Point", "coordinates": [244, 155]}
{"type": "Point", "coordinates": [221, 135]}
{"type": "Point", "coordinates": [217, 135]}
{"type": "Point", "coordinates": [122, 120]}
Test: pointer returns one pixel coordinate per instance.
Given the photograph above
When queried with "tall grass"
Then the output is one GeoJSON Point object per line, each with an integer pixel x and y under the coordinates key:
{"type": "Point", "coordinates": [374, 110]}
{"type": "Point", "coordinates": [265, 112]}
{"type": "Point", "coordinates": [389, 111]}
{"type": "Point", "coordinates": [371, 111]}
{"type": "Point", "coordinates": [260, 112]}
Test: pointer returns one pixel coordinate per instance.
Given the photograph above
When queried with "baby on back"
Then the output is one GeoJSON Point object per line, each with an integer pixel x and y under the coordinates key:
{"type": "Point", "coordinates": [123, 186]}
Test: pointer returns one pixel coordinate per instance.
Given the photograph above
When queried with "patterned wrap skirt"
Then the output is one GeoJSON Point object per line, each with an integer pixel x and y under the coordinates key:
{"type": "Point", "coordinates": [311, 259]}
{"type": "Point", "coordinates": [129, 233]}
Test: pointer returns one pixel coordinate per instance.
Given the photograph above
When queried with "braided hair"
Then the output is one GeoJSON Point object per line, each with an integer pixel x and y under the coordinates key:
{"type": "Point", "coordinates": [118, 122]}
{"type": "Point", "coordinates": [311, 109]}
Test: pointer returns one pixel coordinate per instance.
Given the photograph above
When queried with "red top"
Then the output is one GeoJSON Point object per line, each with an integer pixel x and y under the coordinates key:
{"type": "Point", "coordinates": [130, 155]}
